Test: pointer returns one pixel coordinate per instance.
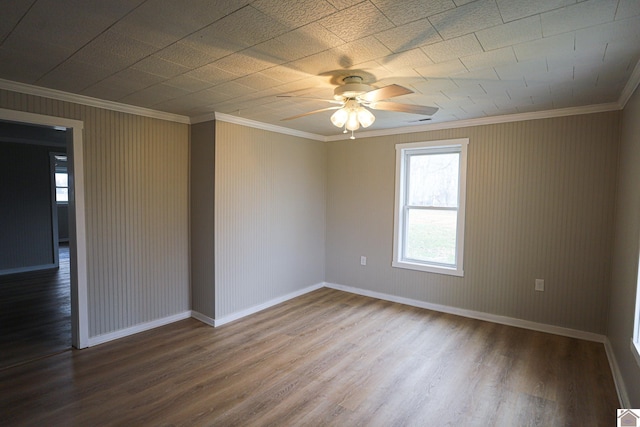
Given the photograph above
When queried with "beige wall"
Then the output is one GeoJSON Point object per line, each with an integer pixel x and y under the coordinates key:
{"type": "Point", "coordinates": [624, 280]}
{"type": "Point", "coordinates": [540, 198]}
{"type": "Point", "coordinates": [136, 196]}
{"type": "Point", "coordinates": [269, 216]}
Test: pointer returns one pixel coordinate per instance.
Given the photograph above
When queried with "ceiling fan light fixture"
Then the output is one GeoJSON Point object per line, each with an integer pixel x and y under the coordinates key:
{"type": "Point", "coordinates": [356, 99]}
{"type": "Point", "coordinates": [352, 116]}
{"type": "Point", "coordinates": [339, 118]}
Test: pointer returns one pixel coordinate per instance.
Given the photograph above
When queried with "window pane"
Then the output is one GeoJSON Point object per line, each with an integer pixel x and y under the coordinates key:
{"type": "Point", "coordinates": [62, 194]}
{"type": "Point", "coordinates": [62, 180]}
{"type": "Point", "coordinates": [431, 236]}
{"type": "Point", "coordinates": [433, 180]}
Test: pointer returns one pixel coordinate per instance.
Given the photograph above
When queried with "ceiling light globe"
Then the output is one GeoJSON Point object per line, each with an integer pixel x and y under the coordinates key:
{"type": "Point", "coordinates": [365, 117]}
{"type": "Point", "coordinates": [339, 118]}
{"type": "Point", "coordinates": [352, 121]}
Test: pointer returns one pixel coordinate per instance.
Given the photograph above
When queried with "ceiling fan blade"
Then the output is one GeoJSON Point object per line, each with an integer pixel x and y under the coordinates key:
{"type": "Point", "coordinates": [332, 101]}
{"type": "Point", "coordinates": [404, 108]}
{"type": "Point", "coordinates": [311, 112]}
{"type": "Point", "coordinates": [385, 92]}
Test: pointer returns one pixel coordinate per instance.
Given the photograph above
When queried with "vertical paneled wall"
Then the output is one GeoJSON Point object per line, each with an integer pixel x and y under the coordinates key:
{"type": "Point", "coordinates": [269, 216]}
{"type": "Point", "coordinates": [540, 198]}
{"type": "Point", "coordinates": [202, 161]}
{"type": "Point", "coordinates": [136, 184]}
{"type": "Point", "coordinates": [624, 280]}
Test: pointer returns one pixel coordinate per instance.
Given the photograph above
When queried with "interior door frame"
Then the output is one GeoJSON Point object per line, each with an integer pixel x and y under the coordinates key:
{"type": "Point", "coordinates": [77, 221]}
{"type": "Point", "coordinates": [54, 207]}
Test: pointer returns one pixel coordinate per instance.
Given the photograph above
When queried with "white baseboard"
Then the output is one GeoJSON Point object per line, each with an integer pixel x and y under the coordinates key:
{"type": "Point", "coordinates": [101, 339]}
{"type": "Point", "coordinates": [256, 308]}
{"type": "Point", "coordinates": [618, 379]}
{"type": "Point", "coordinates": [510, 321]}
{"type": "Point", "coordinates": [204, 319]}
{"type": "Point", "coordinates": [503, 320]}
{"type": "Point", "coordinates": [32, 269]}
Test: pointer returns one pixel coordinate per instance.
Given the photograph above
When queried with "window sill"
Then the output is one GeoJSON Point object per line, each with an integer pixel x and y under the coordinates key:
{"type": "Point", "coordinates": [428, 268]}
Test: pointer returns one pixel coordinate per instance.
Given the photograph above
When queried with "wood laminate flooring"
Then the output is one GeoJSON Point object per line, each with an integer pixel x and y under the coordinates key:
{"type": "Point", "coordinates": [327, 358]}
{"type": "Point", "coordinates": [35, 314]}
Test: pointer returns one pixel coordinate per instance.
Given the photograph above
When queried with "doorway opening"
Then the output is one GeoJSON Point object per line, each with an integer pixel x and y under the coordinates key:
{"type": "Point", "coordinates": [35, 287]}
{"type": "Point", "coordinates": [76, 246]}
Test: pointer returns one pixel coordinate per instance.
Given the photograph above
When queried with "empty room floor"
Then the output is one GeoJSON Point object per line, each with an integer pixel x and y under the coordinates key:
{"type": "Point", "coordinates": [35, 313]}
{"type": "Point", "coordinates": [325, 358]}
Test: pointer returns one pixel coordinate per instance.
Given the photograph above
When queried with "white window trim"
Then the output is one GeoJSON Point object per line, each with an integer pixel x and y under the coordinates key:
{"type": "Point", "coordinates": [635, 350]}
{"type": "Point", "coordinates": [398, 226]}
{"type": "Point", "coordinates": [635, 339]}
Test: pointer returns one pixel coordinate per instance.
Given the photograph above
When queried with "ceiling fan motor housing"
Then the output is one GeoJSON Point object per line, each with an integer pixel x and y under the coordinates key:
{"type": "Point", "coordinates": [351, 88]}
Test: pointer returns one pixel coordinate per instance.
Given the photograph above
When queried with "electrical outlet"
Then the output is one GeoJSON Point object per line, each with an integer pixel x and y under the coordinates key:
{"type": "Point", "coordinates": [363, 260]}
{"type": "Point", "coordinates": [540, 285]}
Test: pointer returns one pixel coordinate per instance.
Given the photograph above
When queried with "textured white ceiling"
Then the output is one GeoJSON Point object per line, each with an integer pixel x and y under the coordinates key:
{"type": "Point", "coordinates": [195, 57]}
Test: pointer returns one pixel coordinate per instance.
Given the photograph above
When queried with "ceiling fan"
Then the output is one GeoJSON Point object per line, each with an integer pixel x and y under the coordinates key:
{"type": "Point", "coordinates": [353, 98]}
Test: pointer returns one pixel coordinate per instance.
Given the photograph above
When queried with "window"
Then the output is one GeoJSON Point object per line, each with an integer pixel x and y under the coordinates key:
{"type": "Point", "coordinates": [61, 179]}
{"type": "Point", "coordinates": [429, 211]}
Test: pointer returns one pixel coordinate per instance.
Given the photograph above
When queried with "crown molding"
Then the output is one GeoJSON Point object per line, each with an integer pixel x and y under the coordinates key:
{"type": "Point", "coordinates": [630, 87]}
{"type": "Point", "coordinates": [204, 118]}
{"type": "Point", "coordinates": [491, 120]}
{"type": "Point", "coordinates": [258, 125]}
{"type": "Point", "coordinates": [89, 101]}
{"type": "Point", "coordinates": [627, 92]}
{"type": "Point", "coordinates": [507, 118]}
